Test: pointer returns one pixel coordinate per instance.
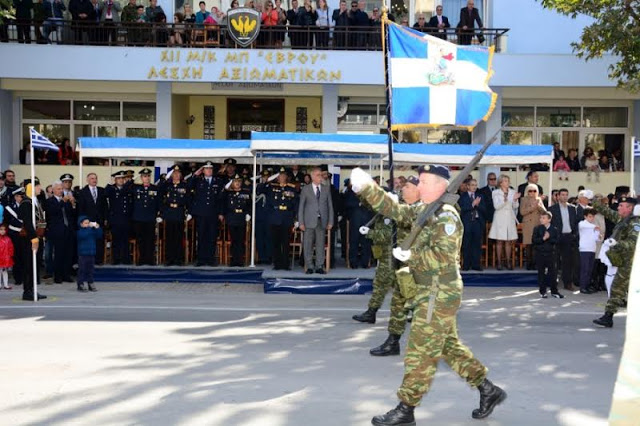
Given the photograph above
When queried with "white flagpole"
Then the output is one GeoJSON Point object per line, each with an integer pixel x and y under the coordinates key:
{"type": "Point", "coordinates": [253, 213]}
{"type": "Point", "coordinates": [33, 218]}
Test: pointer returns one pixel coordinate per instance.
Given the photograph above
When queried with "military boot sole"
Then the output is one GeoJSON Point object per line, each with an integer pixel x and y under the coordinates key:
{"type": "Point", "coordinates": [499, 400]}
{"type": "Point", "coordinates": [605, 324]}
{"type": "Point", "coordinates": [385, 352]}
{"type": "Point", "coordinates": [383, 423]}
{"type": "Point", "coordinates": [364, 320]}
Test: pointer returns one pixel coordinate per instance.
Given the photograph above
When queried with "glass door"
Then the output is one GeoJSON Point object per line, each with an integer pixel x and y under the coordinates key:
{"type": "Point", "coordinates": [105, 131]}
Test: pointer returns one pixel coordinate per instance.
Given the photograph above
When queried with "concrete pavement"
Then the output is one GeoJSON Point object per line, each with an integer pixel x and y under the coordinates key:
{"type": "Point", "coordinates": [197, 354]}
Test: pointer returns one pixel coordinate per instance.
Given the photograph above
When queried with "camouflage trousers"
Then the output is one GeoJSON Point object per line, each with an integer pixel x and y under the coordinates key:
{"type": "Point", "coordinates": [398, 316]}
{"type": "Point", "coordinates": [384, 279]}
{"type": "Point", "coordinates": [430, 342]}
{"type": "Point", "coordinates": [619, 290]}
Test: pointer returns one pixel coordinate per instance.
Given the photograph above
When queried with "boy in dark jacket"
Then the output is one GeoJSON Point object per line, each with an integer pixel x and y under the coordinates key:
{"type": "Point", "coordinates": [544, 239]}
{"type": "Point", "coordinates": [88, 233]}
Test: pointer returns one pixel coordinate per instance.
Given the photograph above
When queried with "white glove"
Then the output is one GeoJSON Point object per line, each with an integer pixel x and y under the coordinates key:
{"type": "Point", "coordinates": [636, 210]}
{"type": "Point", "coordinates": [359, 179]}
{"type": "Point", "coordinates": [158, 220]}
{"type": "Point", "coordinates": [393, 196]}
{"type": "Point", "coordinates": [272, 178]}
{"type": "Point", "coordinates": [228, 184]}
{"type": "Point", "coordinates": [339, 218]}
{"type": "Point", "coordinates": [168, 176]}
{"type": "Point", "coordinates": [189, 217]}
{"type": "Point", "coordinates": [247, 217]}
{"type": "Point", "coordinates": [364, 230]}
{"type": "Point", "coordinates": [401, 255]}
{"type": "Point", "coordinates": [387, 221]}
{"type": "Point", "coordinates": [296, 225]}
{"type": "Point", "coordinates": [611, 242]}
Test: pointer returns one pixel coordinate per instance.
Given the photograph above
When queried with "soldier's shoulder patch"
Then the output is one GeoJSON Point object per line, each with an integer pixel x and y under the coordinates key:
{"type": "Point", "coordinates": [449, 228]}
{"type": "Point", "coordinates": [636, 227]}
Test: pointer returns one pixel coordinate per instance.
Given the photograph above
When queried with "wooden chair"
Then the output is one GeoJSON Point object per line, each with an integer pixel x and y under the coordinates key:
{"type": "Point", "coordinates": [133, 249]}
{"type": "Point", "coordinates": [221, 244]}
{"type": "Point", "coordinates": [295, 245]}
{"type": "Point", "coordinates": [207, 36]}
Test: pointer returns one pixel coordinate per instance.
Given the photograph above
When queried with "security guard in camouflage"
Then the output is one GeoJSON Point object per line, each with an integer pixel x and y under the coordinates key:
{"type": "Point", "coordinates": [381, 236]}
{"type": "Point", "coordinates": [435, 292]}
{"type": "Point", "coordinates": [398, 315]}
{"type": "Point", "coordinates": [625, 235]}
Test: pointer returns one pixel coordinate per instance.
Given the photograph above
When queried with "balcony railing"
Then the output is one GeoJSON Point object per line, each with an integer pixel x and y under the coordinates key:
{"type": "Point", "coordinates": [199, 35]}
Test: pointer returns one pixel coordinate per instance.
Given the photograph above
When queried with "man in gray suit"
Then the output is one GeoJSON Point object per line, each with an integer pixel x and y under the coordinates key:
{"type": "Point", "coordinates": [315, 216]}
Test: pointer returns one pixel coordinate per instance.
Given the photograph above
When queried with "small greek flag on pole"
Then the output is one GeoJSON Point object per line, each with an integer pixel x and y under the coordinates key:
{"type": "Point", "coordinates": [41, 142]}
{"type": "Point", "coordinates": [636, 147]}
{"type": "Point", "coordinates": [434, 82]}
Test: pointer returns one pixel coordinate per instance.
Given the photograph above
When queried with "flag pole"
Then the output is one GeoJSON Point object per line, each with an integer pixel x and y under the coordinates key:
{"type": "Point", "coordinates": [33, 219]}
{"type": "Point", "coordinates": [385, 52]}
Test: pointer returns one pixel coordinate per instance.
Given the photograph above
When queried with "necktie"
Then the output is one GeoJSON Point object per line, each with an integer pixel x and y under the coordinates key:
{"type": "Point", "coordinates": [317, 193]}
{"type": "Point", "coordinates": [94, 195]}
{"type": "Point", "coordinates": [64, 214]}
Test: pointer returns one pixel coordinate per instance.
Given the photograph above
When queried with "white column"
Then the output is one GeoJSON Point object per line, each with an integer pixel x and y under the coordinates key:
{"type": "Point", "coordinates": [329, 108]}
{"type": "Point", "coordinates": [163, 110]}
{"type": "Point", "coordinates": [7, 139]}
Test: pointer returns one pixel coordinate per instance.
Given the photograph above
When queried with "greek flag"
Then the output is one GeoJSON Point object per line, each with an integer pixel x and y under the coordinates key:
{"type": "Point", "coordinates": [434, 82]}
{"type": "Point", "coordinates": [41, 142]}
{"type": "Point", "coordinates": [636, 147]}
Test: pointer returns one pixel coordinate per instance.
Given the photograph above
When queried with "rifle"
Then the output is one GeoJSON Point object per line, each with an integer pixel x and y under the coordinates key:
{"type": "Point", "coordinates": [450, 196]}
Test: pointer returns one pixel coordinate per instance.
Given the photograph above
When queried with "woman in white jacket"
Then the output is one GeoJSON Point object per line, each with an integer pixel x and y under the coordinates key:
{"type": "Point", "coordinates": [503, 228]}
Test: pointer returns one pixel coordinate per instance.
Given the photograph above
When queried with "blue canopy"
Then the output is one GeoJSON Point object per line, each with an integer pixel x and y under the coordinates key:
{"type": "Point", "coordinates": [167, 149]}
{"type": "Point", "coordinates": [455, 154]}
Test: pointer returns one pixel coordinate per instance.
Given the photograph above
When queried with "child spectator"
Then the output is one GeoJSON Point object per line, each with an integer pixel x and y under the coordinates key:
{"type": "Point", "coordinates": [591, 166]}
{"type": "Point", "coordinates": [544, 239]}
{"type": "Point", "coordinates": [88, 233]}
{"type": "Point", "coordinates": [589, 237]}
{"type": "Point", "coordinates": [562, 167]}
{"type": "Point", "coordinates": [6, 257]}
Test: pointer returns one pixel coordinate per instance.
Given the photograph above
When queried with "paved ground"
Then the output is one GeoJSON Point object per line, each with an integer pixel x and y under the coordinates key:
{"type": "Point", "coordinates": [214, 355]}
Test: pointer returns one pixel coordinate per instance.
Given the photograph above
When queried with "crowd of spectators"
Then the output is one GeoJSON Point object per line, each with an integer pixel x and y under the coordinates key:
{"type": "Point", "coordinates": [591, 162]}
{"type": "Point", "coordinates": [307, 24]}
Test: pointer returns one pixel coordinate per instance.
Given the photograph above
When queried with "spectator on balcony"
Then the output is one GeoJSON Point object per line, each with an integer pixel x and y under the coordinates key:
{"type": "Point", "coordinates": [562, 167]}
{"type": "Point", "coordinates": [340, 20]}
{"type": "Point", "coordinates": [129, 13]}
{"type": "Point", "coordinates": [617, 160]}
{"type": "Point", "coordinates": [503, 228]}
{"type": "Point", "coordinates": [531, 207]}
{"type": "Point", "coordinates": [95, 32]}
{"type": "Point", "coordinates": [604, 163]}
{"type": "Point", "coordinates": [282, 21]}
{"type": "Point", "coordinates": [38, 19]}
{"type": "Point", "coordinates": [324, 23]}
{"type": "Point", "coordinates": [421, 24]}
{"type": "Point", "coordinates": [110, 19]}
{"type": "Point", "coordinates": [557, 152]}
{"type": "Point", "coordinates": [439, 24]}
{"type": "Point", "coordinates": [269, 20]}
{"type": "Point", "coordinates": [23, 19]}
{"type": "Point", "coordinates": [468, 17]}
{"type": "Point", "coordinates": [54, 15]}
{"type": "Point", "coordinates": [307, 19]}
{"type": "Point", "coordinates": [573, 161]}
{"type": "Point", "coordinates": [161, 30]}
{"type": "Point", "coordinates": [359, 18]}
{"type": "Point", "coordinates": [177, 33]}
{"type": "Point", "coordinates": [404, 22]}
{"type": "Point", "coordinates": [234, 4]}
{"type": "Point", "coordinates": [292, 21]}
{"type": "Point", "coordinates": [154, 10]}
{"type": "Point", "coordinates": [66, 155]}
{"type": "Point", "coordinates": [375, 40]}
{"type": "Point", "coordinates": [586, 154]}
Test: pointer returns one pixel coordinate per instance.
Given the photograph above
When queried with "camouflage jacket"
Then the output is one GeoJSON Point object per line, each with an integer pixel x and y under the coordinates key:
{"type": "Point", "coordinates": [436, 251]}
{"type": "Point", "coordinates": [625, 233]}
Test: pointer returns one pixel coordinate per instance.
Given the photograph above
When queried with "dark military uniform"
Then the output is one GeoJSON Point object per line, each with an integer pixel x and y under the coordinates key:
{"type": "Point", "coordinates": [263, 244]}
{"type": "Point", "coordinates": [236, 205]}
{"type": "Point", "coordinates": [205, 207]}
{"type": "Point", "coordinates": [175, 198]}
{"type": "Point", "coordinates": [146, 201]}
{"type": "Point", "coordinates": [59, 235]}
{"type": "Point", "coordinates": [24, 241]}
{"type": "Point", "coordinates": [282, 202]}
{"type": "Point", "coordinates": [229, 171]}
{"type": "Point", "coordinates": [359, 246]}
{"type": "Point", "coordinates": [120, 208]}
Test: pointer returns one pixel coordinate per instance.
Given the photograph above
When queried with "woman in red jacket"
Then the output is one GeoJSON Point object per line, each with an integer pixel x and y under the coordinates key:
{"type": "Point", "coordinates": [66, 154]}
{"type": "Point", "coordinates": [6, 257]}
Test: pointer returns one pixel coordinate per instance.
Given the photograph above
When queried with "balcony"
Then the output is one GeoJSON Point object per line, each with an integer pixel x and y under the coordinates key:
{"type": "Point", "coordinates": [349, 38]}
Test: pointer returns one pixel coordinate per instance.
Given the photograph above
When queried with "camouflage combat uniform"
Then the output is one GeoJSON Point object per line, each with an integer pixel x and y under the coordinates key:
{"type": "Point", "coordinates": [435, 265]}
{"type": "Point", "coordinates": [621, 255]}
{"type": "Point", "coordinates": [381, 235]}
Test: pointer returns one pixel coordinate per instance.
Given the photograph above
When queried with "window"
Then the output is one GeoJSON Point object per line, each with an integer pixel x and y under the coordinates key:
{"type": "Point", "coordinates": [140, 132]}
{"type": "Point", "coordinates": [602, 141]}
{"type": "Point", "coordinates": [46, 110]}
{"type": "Point", "coordinates": [605, 117]}
{"type": "Point", "coordinates": [518, 116]}
{"type": "Point", "coordinates": [558, 117]}
{"type": "Point", "coordinates": [517, 137]}
{"type": "Point", "coordinates": [139, 111]}
{"type": "Point", "coordinates": [301, 119]}
{"type": "Point", "coordinates": [365, 114]}
{"type": "Point", "coordinates": [449, 136]}
{"type": "Point", "coordinates": [92, 110]}
{"type": "Point", "coordinates": [209, 125]}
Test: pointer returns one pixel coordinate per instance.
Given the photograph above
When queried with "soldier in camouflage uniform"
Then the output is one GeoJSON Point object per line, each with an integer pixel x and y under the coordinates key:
{"type": "Point", "coordinates": [398, 315]}
{"type": "Point", "coordinates": [625, 235]}
{"type": "Point", "coordinates": [435, 292]}
{"type": "Point", "coordinates": [381, 236]}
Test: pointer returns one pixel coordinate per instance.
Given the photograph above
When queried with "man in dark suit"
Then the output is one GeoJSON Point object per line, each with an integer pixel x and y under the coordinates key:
{"type": "Point", "coordinates": [315, 215]}
{"type": "Point", "coordinates": [59, 233]}
{"type": "Point", "coordinates": [473, 214]}
{"type": "Point", "coordinates": [92, 202]}
{"type": "Point", "coordinates": [468, 17]}
{"type": "Point", "coordinates": [359, 215]}
{"type": "Point", "coordinates": [487, 195]}
{"type": "Point", "coordinates": [565, 220]}
{"type": "Point", "coordinates": [439, 24]}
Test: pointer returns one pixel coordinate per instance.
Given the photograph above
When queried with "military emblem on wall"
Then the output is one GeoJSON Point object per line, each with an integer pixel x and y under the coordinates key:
{"type": "Point", "coordinates": [243, 25]}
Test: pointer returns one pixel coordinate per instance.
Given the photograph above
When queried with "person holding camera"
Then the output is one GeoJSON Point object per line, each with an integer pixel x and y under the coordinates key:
{"type": "Point", "coordinates": [88, 234]}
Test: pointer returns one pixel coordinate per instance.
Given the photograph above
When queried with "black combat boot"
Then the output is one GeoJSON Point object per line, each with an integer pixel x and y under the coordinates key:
{"type": "Point", "coordinates": [391, 346]}
{"type": "Point", "coordinates": [402, 415]}
{"type": "Point", "coordinates": [367, 316]}
{"type": "Point", "coordinates": [606, 320]}
{"type": "Point", "coordinates": [490, 396]}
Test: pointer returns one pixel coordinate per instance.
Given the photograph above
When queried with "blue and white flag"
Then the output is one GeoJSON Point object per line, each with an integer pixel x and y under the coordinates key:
{"type": "Point", "coordinates": [636, 147]}
{"type": "Point", "coordinates": [41, 142]}
{"type": "Point", "coordinates": [434, 82]}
